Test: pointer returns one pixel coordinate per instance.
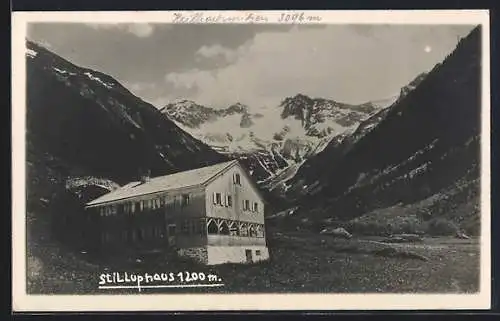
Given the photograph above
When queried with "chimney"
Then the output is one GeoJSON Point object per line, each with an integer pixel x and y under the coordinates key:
{"type": "Point", "coordinates": [145, 176]}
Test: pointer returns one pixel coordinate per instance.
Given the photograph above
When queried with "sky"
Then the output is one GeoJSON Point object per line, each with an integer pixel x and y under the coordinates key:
{"type": "Point", "coordinates": [257, 65]}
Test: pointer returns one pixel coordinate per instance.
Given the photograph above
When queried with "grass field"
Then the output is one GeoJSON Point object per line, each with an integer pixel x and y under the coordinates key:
{"type": "Point", "coordinates": [300, 263]}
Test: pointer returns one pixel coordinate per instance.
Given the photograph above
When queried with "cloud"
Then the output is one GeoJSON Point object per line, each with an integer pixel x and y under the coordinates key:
{"type": "Point", "coordinates": [139, 88]}
{"type": "Point", "coordinates": [138, 29]}
{"type": "Point", "coordinates": [218, 51]}
{"type": "Point", "coordinates": [341, 62]}
{"type": "Point", "coordinates": [44, 43]}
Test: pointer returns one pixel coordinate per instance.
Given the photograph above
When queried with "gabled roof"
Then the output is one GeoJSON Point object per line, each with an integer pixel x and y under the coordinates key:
{"type": "Point", "coordinates": [191, 178]}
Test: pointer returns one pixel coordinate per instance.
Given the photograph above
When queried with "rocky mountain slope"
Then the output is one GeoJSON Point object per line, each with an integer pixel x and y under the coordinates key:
{"type": "Point", "coordinates": [338, 146]}
{"type": "Point", "coordinates": [88, 119]}
{"type": "Point", "coordinates": [86, 134]}
{"type": "Point", "coordinates": [426, 145]}
{"type": "Point", "coordinates": [274, 138]}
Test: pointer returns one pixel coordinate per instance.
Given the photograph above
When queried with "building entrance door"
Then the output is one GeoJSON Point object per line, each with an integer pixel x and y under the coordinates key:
{"type": "Point", "coordinates": [248, 254]}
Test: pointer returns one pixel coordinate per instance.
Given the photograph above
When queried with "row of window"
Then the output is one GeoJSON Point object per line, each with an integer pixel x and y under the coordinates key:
{"type": "Point", "coordinates": [223, 199]}
{"type": "Point", "coordinates": [187, 227]}
{"type": "Point", "coordinates": [226, 200]}
{"type": "Point", "coordinates": [151, 204]}
{"type": "Point", "coordinates": [246, 206]}
{"type": "Point", "coordinates": [133, 235]}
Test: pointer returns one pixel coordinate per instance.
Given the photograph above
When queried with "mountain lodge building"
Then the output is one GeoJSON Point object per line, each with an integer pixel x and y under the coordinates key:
{"type": "Point", "coordinates": [213, 214]}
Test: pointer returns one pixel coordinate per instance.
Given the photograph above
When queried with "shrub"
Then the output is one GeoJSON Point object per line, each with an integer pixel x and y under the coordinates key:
{"type": "Point", "coordinates": [441, 227]}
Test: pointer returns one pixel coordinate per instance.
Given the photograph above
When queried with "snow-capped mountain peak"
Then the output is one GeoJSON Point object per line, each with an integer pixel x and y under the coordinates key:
{"type": "Point", "coordinates": [300, 126]}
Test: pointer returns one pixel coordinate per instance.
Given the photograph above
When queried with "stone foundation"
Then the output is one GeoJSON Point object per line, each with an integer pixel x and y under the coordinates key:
{"type": "Point", "coordinates": [198, 254]}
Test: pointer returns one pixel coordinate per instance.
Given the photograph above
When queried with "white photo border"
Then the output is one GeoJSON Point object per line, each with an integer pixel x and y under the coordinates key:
{"type": "Point", "coordinates": [23, 302]}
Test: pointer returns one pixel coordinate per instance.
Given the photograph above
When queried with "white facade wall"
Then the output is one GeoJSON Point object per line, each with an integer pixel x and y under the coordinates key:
{"type": "Point", "coordinates": [236, 254]}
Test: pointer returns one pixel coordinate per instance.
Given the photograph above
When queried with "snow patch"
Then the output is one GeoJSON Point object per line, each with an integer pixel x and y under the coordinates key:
{"type": "Point", "coordinates": [97, 79]}
{"type": "Point", "coordinates": [31, 53]}
{"type": "Point", "coordinates": [64, 72]}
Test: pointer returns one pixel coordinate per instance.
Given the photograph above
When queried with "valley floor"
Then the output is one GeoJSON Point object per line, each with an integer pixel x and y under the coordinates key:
{"type": "Point", "coordinates": [300, 263]}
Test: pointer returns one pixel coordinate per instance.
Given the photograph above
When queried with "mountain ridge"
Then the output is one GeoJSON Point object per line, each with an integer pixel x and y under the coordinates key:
{"type": "Point", "coordinates": [77, 113]}
{"type": "Point", "coordinates": [270, 139]}
{"type": "Point", "coordinates": [410, 163]}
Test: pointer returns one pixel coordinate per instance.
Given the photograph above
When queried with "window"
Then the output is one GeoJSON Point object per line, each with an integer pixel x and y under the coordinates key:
{"type": "Point", "coordinates": [255, 207]}
{"type": "Point", "coordinates": [257, 252]}
{"type": "Point", "coordinates": [130, 236]}
{"type": "Point", "coordinates": [185, 227]}
{"type": "Point", "coordinates": [171, 229]}
{"type": "Point", "coordinates": [140, 234]}
{"type": "Point", "coordinates": [260, 231]}
{"type": "Point", "coordinates": [229, 201]}
{"type": "Point", "coordinates": [246, 205]}
{"type": "Point", "coordinates": [124, 235]}
{"type": "Point", "coordinates": [141, 205]}
{"type": "Point", "coordinates": [185, 199]}
{"type": "Point", "coordinates": [128, 208]}
{"type": "Point", "coordinates": [157, 232]}
{"type": "Point", "coordinates": [237, 179]}
{"type": "Point", "coordinates": [217, 198]}
{"type": "Point", "coordinates": [110, 210]}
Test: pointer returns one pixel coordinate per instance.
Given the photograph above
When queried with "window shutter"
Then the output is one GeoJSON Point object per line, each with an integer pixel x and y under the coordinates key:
{"type": "Point", "coordinates": [215, 198]}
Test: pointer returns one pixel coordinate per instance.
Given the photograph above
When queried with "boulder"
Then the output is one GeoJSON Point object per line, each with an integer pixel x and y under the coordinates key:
{"type": "Point", "coordinates": [461, 235]}
{"type": "Point", "coordinates": [44, 201]}
{"type": "Point", "coordinates": [337, 232]}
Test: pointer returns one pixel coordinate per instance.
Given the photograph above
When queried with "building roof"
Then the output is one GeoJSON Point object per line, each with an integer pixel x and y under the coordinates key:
{"type": "Point", "coordinates": [190, 178]}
